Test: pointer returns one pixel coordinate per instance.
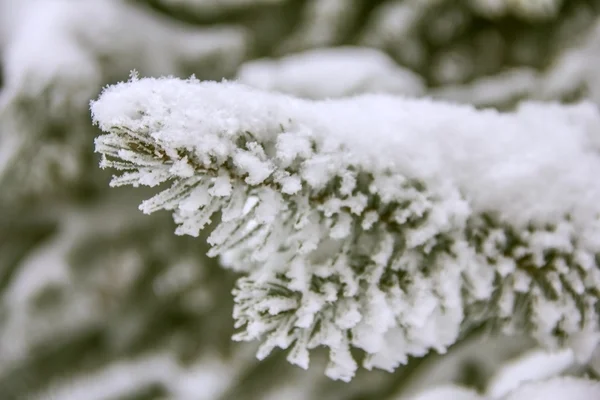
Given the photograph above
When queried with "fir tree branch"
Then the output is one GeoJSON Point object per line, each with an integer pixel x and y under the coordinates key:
{"type": "Point", "coordinates": [376, 222]}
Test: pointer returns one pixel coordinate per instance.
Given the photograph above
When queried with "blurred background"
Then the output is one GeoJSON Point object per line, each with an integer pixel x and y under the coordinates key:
{"type": "Point", "coordinates": [98, 301]}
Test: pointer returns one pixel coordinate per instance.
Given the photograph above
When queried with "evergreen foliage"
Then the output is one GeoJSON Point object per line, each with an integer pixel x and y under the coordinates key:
{"type": "Point", "coordinates": [359, 217]}
{"type": "Point", "coordinates": [354, 221]}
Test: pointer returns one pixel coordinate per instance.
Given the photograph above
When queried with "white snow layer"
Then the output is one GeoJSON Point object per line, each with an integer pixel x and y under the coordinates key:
{"type": "Point", "coordinates": [205, 380]}
{"type": "Point", "coordinates": [537, 164]}
{"type": "Point", "coordinates": [557, 389]}
{"type": "Point", "coordinates": [448, 392]}
{"type": "Point", "coordinates": [561, 388]}
{"type": "Point", "coordinates": [332, 72]}
{"type": "Point", "coordinates": [532, 366]}
{"type": "Point", "coordinates": [534, 167]}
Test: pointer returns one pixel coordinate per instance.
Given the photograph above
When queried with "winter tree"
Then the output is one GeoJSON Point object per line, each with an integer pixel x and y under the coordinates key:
{"type": "Point", "coordinates": [332, 199]}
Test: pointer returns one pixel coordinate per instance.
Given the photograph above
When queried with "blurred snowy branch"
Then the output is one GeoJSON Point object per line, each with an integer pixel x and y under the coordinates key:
{"type": "Point", "coordinates": [57, 56]}
{"type": "Point", "coordinates": [330, 73]}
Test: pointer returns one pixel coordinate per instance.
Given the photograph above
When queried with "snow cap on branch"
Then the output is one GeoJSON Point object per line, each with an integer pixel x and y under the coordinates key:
{"type": "Point", "coordinates": [557, 388]}
{"type": "Point", "coordinates": [332, 72]}
{"type": "Point", "coordinates": [377, 222]}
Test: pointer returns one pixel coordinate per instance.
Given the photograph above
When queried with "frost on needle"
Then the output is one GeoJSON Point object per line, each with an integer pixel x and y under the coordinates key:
{"type": "Point", "coordinates": [381, 223]}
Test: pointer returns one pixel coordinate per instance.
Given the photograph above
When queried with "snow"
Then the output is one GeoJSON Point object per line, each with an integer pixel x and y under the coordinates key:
{"type": "Point", "coordinates": [498, 89]}
{"type": "Point", "coordinates": [552, 389]}
{"type": "Point", "coordinates": [557, 389]}
{"type": "Point", "coordinates": [332, 72]}
{"type": "Point", "coordinates": [57, 54]}
{"type": "Point", "coordinates": [449, 392]}
{"type": "Point", "coordinates": [447, 164]}
{"type": "Point", "coordinates": [571, 72]}
{"type": "Point", "coordinates": [251, 163]}
{"type": "Point", "coordinates": [205, 380]}
{"type": "Point", "coordinates": [25, 326]}
{"type": "Point", "coordinates": [351, 218]}
{"type": "Point", "coordinates": [532, 366]}
{"type": "Point", "coordinates": [487, 155]}
{"type": "Point", "coordinates": [533, 375]}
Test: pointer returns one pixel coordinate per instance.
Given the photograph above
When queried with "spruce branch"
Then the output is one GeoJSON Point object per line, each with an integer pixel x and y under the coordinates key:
{"type": "Point", "coordinates": [377, 222]}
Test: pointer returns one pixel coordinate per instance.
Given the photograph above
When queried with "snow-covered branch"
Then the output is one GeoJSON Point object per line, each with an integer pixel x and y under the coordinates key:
{"type": "Point", "coordinates": [558, 388]}
{"type": "Point", "coordinates": [332, 72]}
{"type": "Point", "coordinates": [376, 222]}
